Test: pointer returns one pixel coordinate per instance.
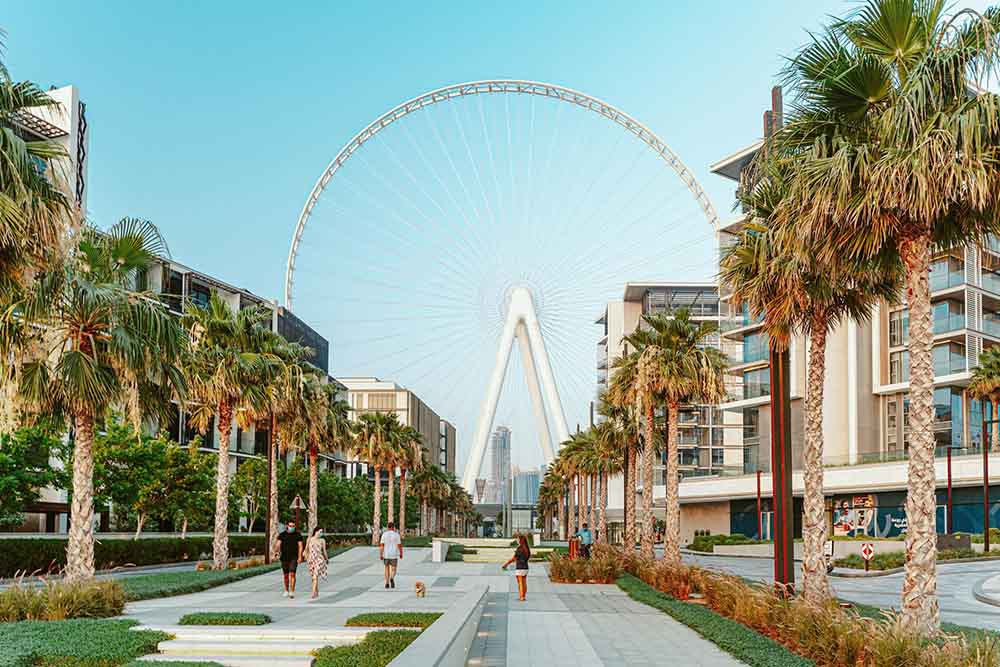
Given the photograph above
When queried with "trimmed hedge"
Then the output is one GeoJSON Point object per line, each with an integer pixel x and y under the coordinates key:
{"type": "Point", "coordinates": [167, 584]}
{"type": "Point", "coordinates": [732, 637]}
{"type": "Point", "coordinates": [707, 543]}
{"type": "Point", "coordinates": [44, 555]}
{"type": "Point", "coordinates": [78, 643]}
{"type": "Point", "coordinates": [224, 618]}
{"type": "Point", "coordinates": [394, 619]}
{"type": "Point", "coordinates": [377, 649]}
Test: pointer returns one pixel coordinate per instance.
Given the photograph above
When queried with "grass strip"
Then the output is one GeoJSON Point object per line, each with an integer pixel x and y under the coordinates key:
{"type": "Point", "coordinates": [224, 618]}
{"type": "Point", "coordinates": [402, 619]}
{"type": "Point", "coordinates": [377, 649]}
{"type": "Point", "coordinates": [167, 584]}
{"type": "Point", "coordinates": [418, 541]}
{"type": "Point", "coordinates": [75, 643]}
{"type": "Point", "coordinates": [732, 637]}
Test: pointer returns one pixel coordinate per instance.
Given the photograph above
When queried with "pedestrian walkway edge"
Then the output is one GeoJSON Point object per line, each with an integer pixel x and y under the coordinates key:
{"type": "Point", "coordinates": [979, 592]}
{"type": "Point", "coordinates": [447, 641]}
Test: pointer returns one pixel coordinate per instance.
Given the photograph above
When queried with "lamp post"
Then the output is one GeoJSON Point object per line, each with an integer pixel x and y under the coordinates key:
{"type": "Point", "coordinates": [986, 487]}
{"type": "Point", "coordinates": [760, 522]}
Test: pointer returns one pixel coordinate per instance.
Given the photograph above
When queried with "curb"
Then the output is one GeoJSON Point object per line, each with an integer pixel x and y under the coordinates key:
{"type": "Point", "coordinates": [980, 594]}
{"type": "Point", "coordinates": [690, 552]}
{"type": "Point", "coordinates": [852, 573]}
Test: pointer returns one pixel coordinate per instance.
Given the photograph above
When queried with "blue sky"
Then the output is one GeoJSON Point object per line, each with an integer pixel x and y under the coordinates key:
{"type": "Point", "coordinates": [214, 119]}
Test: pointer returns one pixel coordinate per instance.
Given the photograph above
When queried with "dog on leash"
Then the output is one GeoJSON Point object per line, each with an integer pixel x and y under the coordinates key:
{"type": "Point", "coordinates": [421, 589]}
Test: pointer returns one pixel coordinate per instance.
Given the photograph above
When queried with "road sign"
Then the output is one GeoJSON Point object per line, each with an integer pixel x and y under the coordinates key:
{"type": "Point", "coordinates": [297, 504]}
{"type": "Point", "coordinates": [828, 549]}
{"type": "Point", "coordinates": [867, 551]}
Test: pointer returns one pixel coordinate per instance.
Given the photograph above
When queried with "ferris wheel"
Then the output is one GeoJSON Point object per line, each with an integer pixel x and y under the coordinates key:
{"type": "Point", "coordinates": [431, 220]}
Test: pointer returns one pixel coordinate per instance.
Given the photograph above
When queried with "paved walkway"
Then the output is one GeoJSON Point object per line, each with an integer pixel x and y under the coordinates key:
{"type": "Point", "coordinates": [566, 625]}
{"type": "Point", "coordinates": [559, 625]}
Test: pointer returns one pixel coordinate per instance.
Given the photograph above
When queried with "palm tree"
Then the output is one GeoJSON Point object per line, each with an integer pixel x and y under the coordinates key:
{"type": "Point", "coordinates": [611, 443]}
{"type": "Point", "coordinates": [424, 486]}
{"type": "Point", "coordinates": [893, 143]}
{"type": "Point", "coordinates": [87, 341]}
{"type": "Point", "coordinates": [374, 435]}
{"type": "Point", "coordinates": [775, 274]}
{"type": "Point", "coordinates": [229, 370]}
{"type": "Point", "coordinates": [36, 218]}
{"type": "Point", "coordinates": [411, 460]}
{"type": "Point", "coordinates": [622, 401]}
{"type": "Point", "coordinates": [985, 386]}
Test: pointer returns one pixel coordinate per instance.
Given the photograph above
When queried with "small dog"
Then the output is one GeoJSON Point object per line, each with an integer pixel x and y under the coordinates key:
{"type": "Point", "coordinates": [421, 589]}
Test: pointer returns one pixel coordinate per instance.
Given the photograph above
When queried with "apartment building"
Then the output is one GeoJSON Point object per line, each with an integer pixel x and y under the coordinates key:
{"type": "Point", "coordinates": [370, 394]}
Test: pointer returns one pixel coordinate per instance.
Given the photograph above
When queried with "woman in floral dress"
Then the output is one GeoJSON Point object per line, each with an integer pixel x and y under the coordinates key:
{"type": "Point", "coordinates": [317, 559]}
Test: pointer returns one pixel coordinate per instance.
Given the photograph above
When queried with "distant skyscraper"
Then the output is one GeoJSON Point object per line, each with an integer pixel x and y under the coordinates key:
{"type": "Point", "coordinates": [500, 464]}
{"type": "Point", "coordinates": [526, 485]}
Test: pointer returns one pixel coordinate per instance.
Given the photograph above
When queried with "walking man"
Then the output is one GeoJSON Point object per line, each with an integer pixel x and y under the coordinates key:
{"type": "Point", "coordinates": [586, 539]}
{"type": "Point", "coordinates": [390, 550]}
{"type": "Point", "coordinates": [291, 556]}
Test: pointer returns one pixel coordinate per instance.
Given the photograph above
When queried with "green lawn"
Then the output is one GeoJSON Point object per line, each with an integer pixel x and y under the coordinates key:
{"type": "Point", "coordinates": [735, 638]}
{"type": "Point", "coordinates": [76, 643]}
{"type": "Point", "coordinates": [224, 618]}
{"type": "Point", "coordinates": [377, 649]}
{"type": "Point", "coordinates": [404, 619]}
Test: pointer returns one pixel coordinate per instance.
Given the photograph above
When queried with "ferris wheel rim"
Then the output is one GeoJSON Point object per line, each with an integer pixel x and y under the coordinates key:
{"type": "Point", "coordinates": [486, 87]}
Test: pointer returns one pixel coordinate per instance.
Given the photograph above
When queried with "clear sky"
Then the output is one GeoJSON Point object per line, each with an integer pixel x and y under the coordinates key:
{"type": "Point", "coordinates": [213, 119]}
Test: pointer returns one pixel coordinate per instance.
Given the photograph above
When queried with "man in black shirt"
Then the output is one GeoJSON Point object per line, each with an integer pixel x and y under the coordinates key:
{"type": "Point", "coordinates": [291, 556]}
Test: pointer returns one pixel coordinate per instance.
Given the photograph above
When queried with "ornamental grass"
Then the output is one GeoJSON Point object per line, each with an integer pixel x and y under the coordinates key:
{"type": "Point", "coordinates": [58, 601]}
{"type": "Point", "coordinates": [603, 567]}
{"type": "Point", "coordinates": [827, 633]}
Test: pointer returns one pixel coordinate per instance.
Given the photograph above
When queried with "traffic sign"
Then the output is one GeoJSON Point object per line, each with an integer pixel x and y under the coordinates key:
{"type": "Point", "coordinates": [828, 549]}
{"type": "Point", "coordinates": [297, 504]}
{"type": "Point", "coordinates": [867, 551]}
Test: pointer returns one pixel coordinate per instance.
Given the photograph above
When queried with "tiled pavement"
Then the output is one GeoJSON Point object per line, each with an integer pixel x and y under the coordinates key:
{"type": "Point", "coordinates": [559, 625]}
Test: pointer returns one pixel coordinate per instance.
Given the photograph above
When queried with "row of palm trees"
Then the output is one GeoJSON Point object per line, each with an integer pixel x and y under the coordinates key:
{"type": "Point", "coordinates": [391, 447]}
{"type": "Point", "coordinates": [891, 153]}
{"type": "Point", "coordinates": [669, 364]}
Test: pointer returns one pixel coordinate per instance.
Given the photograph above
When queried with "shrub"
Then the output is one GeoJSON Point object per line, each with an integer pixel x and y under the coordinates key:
{"type": "Point", "coordinates": [59, 601]}
{"type": "Point", "coordinates": [603, 567]}
{"type": "Point", "coordinates": [377, 649]}
{"type": "Point", "coordinates": [47, 555]}
{"type": "Point", "coordinates": [406, 619]}
{"type": "Point", "coordinates": [707, 543]}
{"type": "Point", "coordinates": [893, 559]}
{"type": "Point", "coordinates": [76, 643]}
{"type": "Point", "coordinates": [224, 618]}
{"type": "Point", "coordinates": [825, 633]}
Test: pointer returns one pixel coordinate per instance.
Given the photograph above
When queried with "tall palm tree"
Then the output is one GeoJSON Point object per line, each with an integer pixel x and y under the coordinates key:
{"type": "Point", "coordinates": [893, 142]}
{"type": "Point", "coordinates": [611, 442]}
{"type": "Point", "coordinates": [229, 369]}
{"type": "Point", "coordinates": [411, 460]}
{"type": "Point", "coordinates": [86, 340]}
{"type": "Point", "coordinates": [776, 274]}
{"type": "Point", "coordinates": [374, 433]}
{"type": "Point", "coordinates": [985, 386]}
{"type": "Point", "coordinates": [622, 401]}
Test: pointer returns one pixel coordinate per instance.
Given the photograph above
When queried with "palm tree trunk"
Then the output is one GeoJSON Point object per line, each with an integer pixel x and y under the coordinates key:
{"type": "Point", "coordinates": [402, 502]}
{"type": "Point", "coordinates": [563, 516]}
{"type": "Point", "coordinates": [647, 483]}
{"type": "Point", "coordinates": [571, 507]}
{"type": "Point", "coordinates": [80, 547]}
{"type": "Point", "coordinates": [272, 491]}
{"type": "Point", "coordinates": [995, 445]}
{"type": "Point", "coordinates": [602, 528]}
{"type": "Point", "coordinates": [392, 494]}
{"type": "Point", "coordinates": [423, 516]}
{"type": "Point", "coordinates": [815, 586]}
{"type": "Point", "coordinates": [581, 503]}
{"type": "Point", "coordinates": [593, 502]}
{"type": "Point", "coordinates": [628, 536]}
{"type": "Point", "coordinates": [672, 539]}
{"type": "Point", "coordinates": [313, 488]}
{"type": "Point", "coordinates": [920, 613]}
{"type": "Point", "coordinates": [377, 514]}
{"type": "Point", "coordinates": [220, 540]}
{"type": "Point", "coordinates": [184, 528]}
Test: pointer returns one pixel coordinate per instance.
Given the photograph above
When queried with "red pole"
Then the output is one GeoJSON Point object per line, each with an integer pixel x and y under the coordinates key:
{"type": "Point", "coordinates": [760, 523]}
{"type": "Point", "coordinates": [986, 498]}
{"type": "Point", "coordinates": [949, 528]}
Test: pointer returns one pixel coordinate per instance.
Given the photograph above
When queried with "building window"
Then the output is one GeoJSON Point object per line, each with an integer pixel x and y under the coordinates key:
{"type": "Point", "coordinates": [755, 347]}
{"type": "Point", "coordinates": [948, 316]}
{"type": "Point", "coordinates": [948, 416]}
{"type": "Point", "coordinates": [946, 272]}
{"type": "Point", "coordinates": [949, 358]}
{"type": "Point", "coordinates": [751, 426]}
{"type": "Point", "coordinates": [382, 400]}
{"type": "Point", "coordinates": [891, 422]}
{"type": "Point", "coordinates": [199, 295]}
{"type": "Point", "coordinates": [717, 457]}
{"type": "Point", "coordinates": [899, 367]}
{"type": "Point", "coordinates": [757, 383]}
{"type": "Point", "coordinates": [899, 327]}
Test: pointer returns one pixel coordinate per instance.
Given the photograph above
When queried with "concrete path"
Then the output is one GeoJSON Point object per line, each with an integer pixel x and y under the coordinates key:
{"type": "Point", "coordinates": [566, 625]}
{"type": "Point", "coordinates": [559, 625]}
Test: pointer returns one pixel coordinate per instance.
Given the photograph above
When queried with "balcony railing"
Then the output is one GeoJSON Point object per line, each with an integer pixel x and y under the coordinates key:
{"type": "Point", "coordinates": [756, 389]}
{"type": "Point", "coordinates": [991, 327]}
{"type": "Point", "coordinates": [940, 281]}
{"type": "Point", "coordinates": [949, 323]}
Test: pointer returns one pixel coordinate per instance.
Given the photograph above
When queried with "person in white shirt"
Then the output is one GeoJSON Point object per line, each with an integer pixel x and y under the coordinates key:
{"type": "Point", "coordinates": [390, 550]}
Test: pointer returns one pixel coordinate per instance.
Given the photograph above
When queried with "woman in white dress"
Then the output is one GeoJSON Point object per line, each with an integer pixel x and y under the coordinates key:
{"type": "Point", "coordinates": [316, 558]}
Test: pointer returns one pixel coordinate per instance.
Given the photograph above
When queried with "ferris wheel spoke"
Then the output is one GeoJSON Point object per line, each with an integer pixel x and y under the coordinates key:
{"type": "Point", "coordinates": [475, 169]}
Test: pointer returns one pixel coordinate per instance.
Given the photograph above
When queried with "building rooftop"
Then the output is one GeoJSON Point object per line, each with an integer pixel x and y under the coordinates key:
{"type": "Point", "coordinates": [636, 291]}
{"type": "Point", "coordinates": [732, 165]}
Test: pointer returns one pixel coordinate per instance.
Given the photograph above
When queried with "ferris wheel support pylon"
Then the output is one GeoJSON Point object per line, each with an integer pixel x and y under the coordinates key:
{"type": "Point", "coordinates": [521, 322]}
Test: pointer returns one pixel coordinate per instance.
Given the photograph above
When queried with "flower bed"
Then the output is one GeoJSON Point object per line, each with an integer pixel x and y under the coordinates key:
{"type": "Point", "coordinates": [824, 633]}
